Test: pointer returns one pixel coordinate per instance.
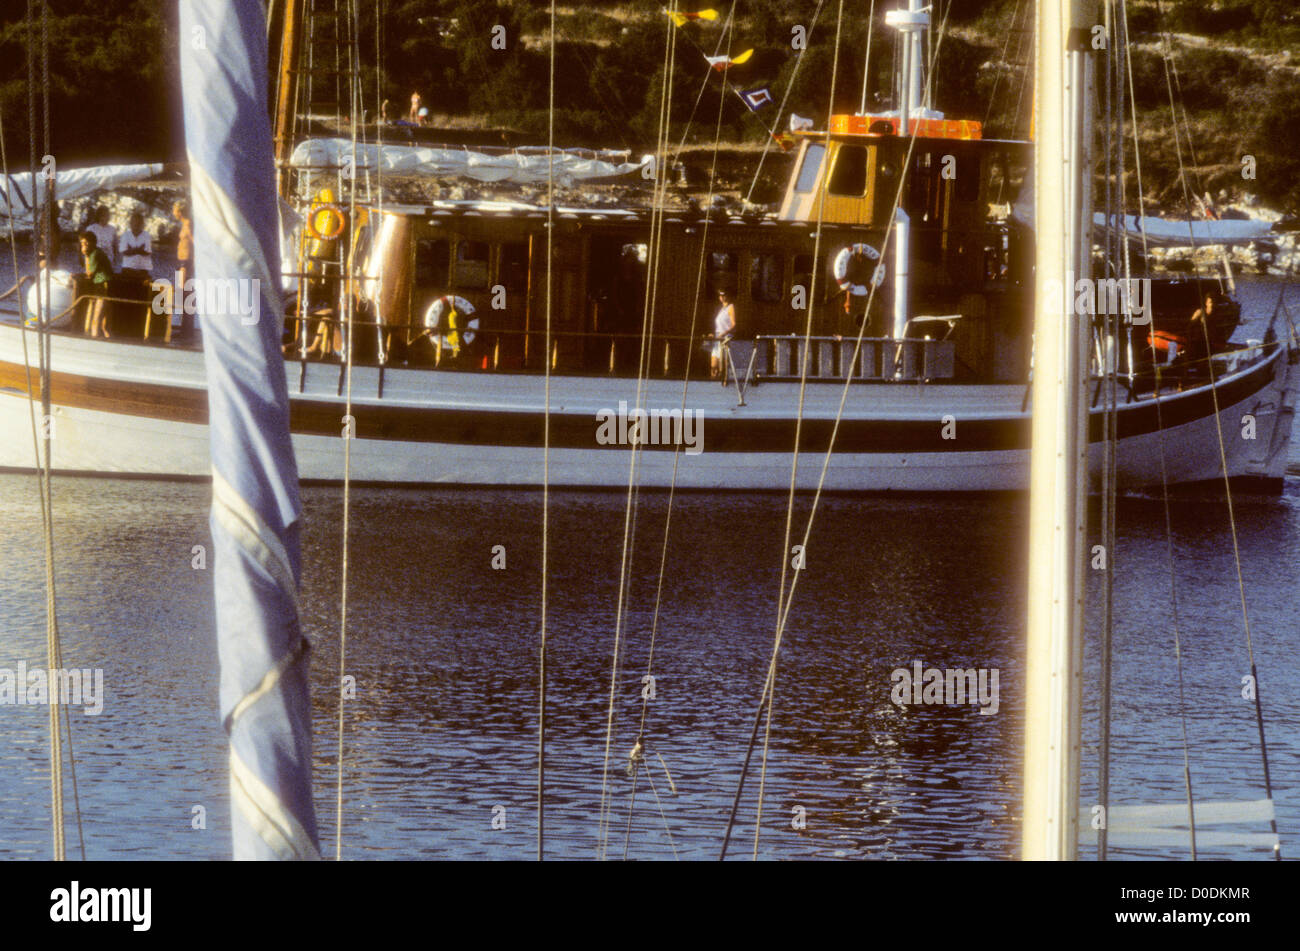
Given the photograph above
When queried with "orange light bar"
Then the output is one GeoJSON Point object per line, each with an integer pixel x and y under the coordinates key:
{"type": "Point", "coordinates": [926, 128]}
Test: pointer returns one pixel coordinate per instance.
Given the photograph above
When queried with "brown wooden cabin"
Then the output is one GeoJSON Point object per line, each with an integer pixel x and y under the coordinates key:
{"type": "Point", "coordinates": [965, 269]}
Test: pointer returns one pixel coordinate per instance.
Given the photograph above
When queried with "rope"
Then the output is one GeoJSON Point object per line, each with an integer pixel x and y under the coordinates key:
{"type": "Point", "coordinates": [654, 260]}
{"type": "Point", "coordinates": [788, 599]}
{"type": "Point", "coordinates": [349, 435]}
{"type": "Point", "coordinates": [1227, 486]}
{"type": "Point", "coordinates": [1127, 65]}
{"type": "Point", "coordinates": [780, 110]}
{"type": "Point", "coordinates": [866, 65]}
{"type": "Point", "coordinates": [546, 448]}
{"type": "Point", "coordinates": [41, 232]}
{"type": "Point", "coordinates": [672, 485]}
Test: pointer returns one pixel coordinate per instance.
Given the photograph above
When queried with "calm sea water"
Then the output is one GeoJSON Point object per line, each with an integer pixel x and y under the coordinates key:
{"type": "Point", "coordinates": [444, 650]}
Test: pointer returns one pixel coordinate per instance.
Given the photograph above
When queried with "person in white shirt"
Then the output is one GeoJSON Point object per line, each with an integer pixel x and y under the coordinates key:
{"type": "Point", "coordinates": [724, 322]}
{"type": "Point", "coordinates": [105, 234]}
{"type": "Point", "coordinates": [137, 250]}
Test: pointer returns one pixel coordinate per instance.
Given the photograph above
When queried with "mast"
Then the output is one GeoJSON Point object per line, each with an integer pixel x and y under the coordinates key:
{"type": "Point", "coordinates": [1058, 500]}
{"type": "Point", "coordinates": [256, 510]}
{"type": "Point", "coordinates": [911, 22]}
{"type": "Point", "coordinates": [287, 91]}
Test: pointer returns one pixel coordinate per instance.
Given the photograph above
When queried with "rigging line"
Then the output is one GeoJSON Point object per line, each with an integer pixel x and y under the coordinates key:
{"type": "Point", "coordinates": [1024, 46]}
{"type": "Point", "coordinates": [769, 687]}
{"type": "Point", "coordinates": [794, 461]}
{"type": "Point", "coordinates": [1227, 486]}
{"type": "Point", "coordinates": [724, 34]}
{"type": "Point", "coordinates": [1236, 553]}
{"type": "Point", "coordinates": [1109, 370]}
{"type": "Point", "coordinates": [672, 485]}
{"type": "Point", "coordinates": [1127, 63]}
{"type": "Point", "coordinates": [662, 815]}
{"type": "Point", "coordinates": [653, 261]}
{"type": "Point", "coordinates": [866, 65]}
{"type": "Point", "coordinates": [41, 233]}
{"type": "Point", "coordinates": [785, 97]}
{"type": "Point", "coordinates": [46, 522]}
{"type": "Point", "coordinates": [789, 597]}
{"type": "Point", "coordinates": [784, 605]}
{"type": "Point", "coordinates": [546, 448]}
{"type": "Point", "coordinates": [349, 432]}
{"type": "Point", "coordinates": [898, 197]}
{"type": "Point", "coordinates": [1002, 61]}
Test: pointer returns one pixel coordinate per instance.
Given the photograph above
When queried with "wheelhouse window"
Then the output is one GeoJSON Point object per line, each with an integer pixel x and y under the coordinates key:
{"type": "Point", "coordinates": [472, 265]}
{"type": "Point", "coordinates": [432, 263]}
{"type": "Point", "coordinates": [514, 266]}
{"type": "Point", "coordinates": [803, 272]}
{"type": "Point", "coordinates": [723, 270]}
{"type": "Point", "coordinates": [849, 177]}
{"type": "Point", "coordinates": [812, 163]}
{"type": "Point", "coordinates": [968, 176]}
{"type": "Point", "coordinates": [766, 272]}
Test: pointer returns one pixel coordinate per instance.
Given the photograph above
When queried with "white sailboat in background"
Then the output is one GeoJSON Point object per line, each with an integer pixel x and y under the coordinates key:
{"type": "Point", "coordinates": [1058, 520]}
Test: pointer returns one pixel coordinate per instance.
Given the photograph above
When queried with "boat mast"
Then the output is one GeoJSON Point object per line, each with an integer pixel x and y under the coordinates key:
{"type": "Point", "coordinates": [911, 22]}
{"type": "Point", "coordinates": [287, 93]}
{"type": "Point", "coordinates": [1058, 506]}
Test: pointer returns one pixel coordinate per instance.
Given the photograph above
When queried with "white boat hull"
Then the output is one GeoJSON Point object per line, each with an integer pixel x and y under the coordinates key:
{"type": "Point", "coordinates": [124, 409]}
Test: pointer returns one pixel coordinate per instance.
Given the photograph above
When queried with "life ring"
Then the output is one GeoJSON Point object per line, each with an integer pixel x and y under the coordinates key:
{"type": "Point", "coordinates": [460, 326]}
{"type": "Point", "coordinates": [333, 214]}
{"type": "Point", "coordinates": [855, 254]}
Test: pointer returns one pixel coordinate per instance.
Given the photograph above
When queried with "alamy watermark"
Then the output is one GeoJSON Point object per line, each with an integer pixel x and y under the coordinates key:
{"type": "Point", "coordinates": [36, 686]}
{"type": "Point", "coordinates": [1110, 295]}
{"type": "Point", "coordinates": [211, 297]}
{"type": "Point", "coordinates": [653, 427]}
{"type": "Point", "coordinates": [948, 687]}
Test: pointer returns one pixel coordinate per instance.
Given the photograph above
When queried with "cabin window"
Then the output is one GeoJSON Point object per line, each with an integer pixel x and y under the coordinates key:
{"type": "Point", "coordinates": [472, 265]}
{"type": "Point", "coordinates": [514, 267]}
{"type": "Point", "coordinates": [765, 275]}
{"type": "Point", "coordinates": [803, 272]}
{"type": "Point", "coordinates": [723, 269]}
{"type": "Point", "coordinates": [968, 177]}
{"type": "Point", "coordinates": [432, 263]}
{"type": "Point", "coordinates": [850, 175]}
{"type": "Point", "coordinates": [812, 163]}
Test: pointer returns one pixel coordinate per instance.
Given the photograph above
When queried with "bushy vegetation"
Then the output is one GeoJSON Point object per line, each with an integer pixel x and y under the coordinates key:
{"type": "Point", "coordinates": [113, 66]}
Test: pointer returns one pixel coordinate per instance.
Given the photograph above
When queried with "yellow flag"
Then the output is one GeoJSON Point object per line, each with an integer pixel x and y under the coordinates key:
{"type": "Point", "coordinates": [681, 19]}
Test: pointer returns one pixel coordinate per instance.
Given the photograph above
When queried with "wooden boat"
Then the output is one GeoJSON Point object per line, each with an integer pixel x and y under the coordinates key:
{"type": "Point", "coordinates": [926, 389]}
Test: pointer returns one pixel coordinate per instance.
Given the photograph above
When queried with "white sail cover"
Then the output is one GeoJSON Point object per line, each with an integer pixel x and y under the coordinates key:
{"type": "Point", "coordinates": [522, 166]}
{"type": "Point", "coordinates": [1186, 234]}
{"type": "Point", "coordinates": [17, 203]}
{"type": "Point", "coordinates": [1157, 232]}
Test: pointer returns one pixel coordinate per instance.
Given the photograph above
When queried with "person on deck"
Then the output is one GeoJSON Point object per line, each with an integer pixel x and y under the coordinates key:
{"type": "Point", "coordinates": [1201, 334]}
{"type": "Point", "coordinates": [105, 234]}
{"type": "Point", "coordinates": [137, 250]}
{"type": "Point", "coordinates": [418, 112]}
{"type": "Point", "coordinates": [724, 324]}
{"type": "Point", "coordinates": [184, 260]}
{"type": "Point", "coordinates": [97, 271]}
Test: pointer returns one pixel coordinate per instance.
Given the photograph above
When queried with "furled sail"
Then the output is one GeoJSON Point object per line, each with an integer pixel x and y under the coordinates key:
{"type": "Point", "coordinates": [16, 190]}
{"type": "Point", "coordinates": [1163, 233]}
{"type": "Point", "coordinates": [1157, 232]}
{"type": "Point", "coordinates": [255, 506]}
{"type": "Point", "coordinates": [522, 166]}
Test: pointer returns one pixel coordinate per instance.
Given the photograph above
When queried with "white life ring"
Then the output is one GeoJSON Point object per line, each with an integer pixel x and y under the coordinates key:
{"type": "Point", "coordinates": [851, 254]}
{"type": "Point", "coordinates": [61, 296]}
{"type": "Point", "coordinates": [460, 326]}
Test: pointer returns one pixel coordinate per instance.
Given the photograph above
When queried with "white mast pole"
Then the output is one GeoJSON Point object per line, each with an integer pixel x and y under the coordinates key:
{"type": "Point", "coordinates": [1060, 435]}
{"type": "Point", "coordinates": [911, 23]}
